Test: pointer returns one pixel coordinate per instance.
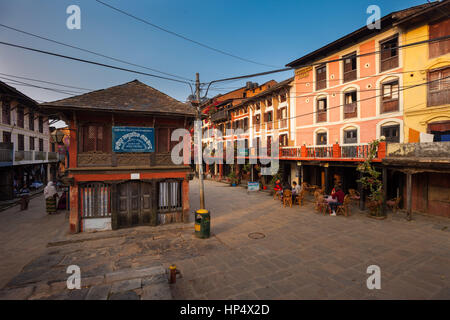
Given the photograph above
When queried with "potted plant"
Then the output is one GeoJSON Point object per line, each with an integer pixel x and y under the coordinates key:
{"type": "Point", "coordinates": [233, 179]}
{"type": "Point", "coordinates": [372, 182]}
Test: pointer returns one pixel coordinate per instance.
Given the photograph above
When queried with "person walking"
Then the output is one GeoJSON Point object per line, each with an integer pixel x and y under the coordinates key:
{"type": "Point", "coordinates": [50, 195]}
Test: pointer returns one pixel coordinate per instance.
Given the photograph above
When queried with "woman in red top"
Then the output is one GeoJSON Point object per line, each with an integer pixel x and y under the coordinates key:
{"type": "Point", "coordinates": [278, 188]}
{"type": "Point", "coordinates": [338, 197]}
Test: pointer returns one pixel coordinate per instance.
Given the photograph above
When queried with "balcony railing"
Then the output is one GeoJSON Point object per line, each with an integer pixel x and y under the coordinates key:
{"type": "Point", "coordinates": [30, 156]}
{"type": "Point", "coordinates": [334, 152]}
{"type": "Point", "coordinates": [52, 156]}
{"type": "Point", "coordinates": [320, 152]}
{"type": "Point", "coordinates": [39, 155]}
{"type": "Point", "coordinates": [355, 151]}
{"type": "Point", "coordinates": [6, 152]}
{"type": "Point", "coordinates": [23, 155]}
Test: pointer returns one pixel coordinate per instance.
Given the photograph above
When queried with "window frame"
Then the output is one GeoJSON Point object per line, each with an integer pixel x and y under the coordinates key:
{"type": "Point", "coordinates": [384, 62]}
{"type": "Point", "coordinates": [318, 135]}
{"type": "Point", "coordinates": [20, 117]}
{"type": "Point", "coordinates": [324, 111]}
{"type": "Point", "coordinates": [6, 112]}
{"type": "Point", "coordinates": [439, 82]}
{"type": "Point", "coordinates": [348, 140]}
{"type": "Point", "coordinates": [351, 75]}
{"type": "Point", "coordinates": [390, 126]}
{"type": "Point", "coordinates": [324, 81]}
{"type": "Point", "coordinates": [383, 99]}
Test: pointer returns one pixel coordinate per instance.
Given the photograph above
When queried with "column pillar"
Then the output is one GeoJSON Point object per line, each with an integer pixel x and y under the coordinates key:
{"type": "Point", "coordinates": [409, 195]}
{"type": "Point", "coordinates": [385, 181]}
{"type": "Point", "coordinates": [74, 219]}
{"type": "Point", "coordinates": [361, 194]}
{"type": "Point", "coordinates": [185, 199]}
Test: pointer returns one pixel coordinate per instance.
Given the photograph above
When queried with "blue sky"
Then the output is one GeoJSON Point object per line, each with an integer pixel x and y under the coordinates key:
{"type": "Point", "coordinates": [270, 32]}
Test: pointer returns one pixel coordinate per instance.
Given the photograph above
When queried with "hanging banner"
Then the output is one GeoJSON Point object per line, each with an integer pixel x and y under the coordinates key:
{"type": "Point", "coordinates": [133, 139]}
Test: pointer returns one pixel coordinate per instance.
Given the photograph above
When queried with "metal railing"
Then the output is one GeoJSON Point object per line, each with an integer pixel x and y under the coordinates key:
{"type": "Point", "coordinates": [355, 151]}
{"type": "Point", "coordinates": [23, 155]}
{"type": "Point", "coordinates": [6, 155]}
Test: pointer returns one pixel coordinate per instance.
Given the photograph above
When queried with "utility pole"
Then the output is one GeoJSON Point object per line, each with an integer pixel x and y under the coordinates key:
{"type": "Point", "coordinates": [200, 147]}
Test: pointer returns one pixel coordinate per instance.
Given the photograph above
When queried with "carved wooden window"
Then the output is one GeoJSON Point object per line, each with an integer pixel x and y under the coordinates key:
{"type": "Point", "coordinates": [321, 77]}
{"type": "Point", "coordinates": [282, 97]}
{"type": "Point", "coordinates": [6, 112]}
{"type": "Point", "coordinates": [20, 117]}
{"type": "Point", "coordinates": [439, 87]}
{"type": "Point", "coordinates": [350, 67]}
{"type": "Point", "coordinates": [269, 102]}
{"type": "Point", "coordinates": [390, 94]}
{"type": "Point", "coordinates": [389, 54]}
{"type": "Point", "coordinates": [163, 140]}
{"type": "Point", "coordinates": [438, 30]}
{"type": "Point", "coordinates": [93, 139]}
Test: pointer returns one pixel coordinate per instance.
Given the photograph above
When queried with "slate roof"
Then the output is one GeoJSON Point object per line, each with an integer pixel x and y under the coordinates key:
{"type": "Point", "coordinates": [133, 96]}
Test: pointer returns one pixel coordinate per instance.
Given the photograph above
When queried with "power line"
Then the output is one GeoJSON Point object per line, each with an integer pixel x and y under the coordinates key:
{"type": "Point", "coordinates": [92, 62]}
{"type": "Point", "coordinates": [183, 37]}
{"type": "Point", "coordinates": [329, 61]}
{"type": "Point", "coordinates": [19, 83]}
{"type": "Point", "coordinates": [42, 81]}
{"type": "Point", "coordinates": [92, 52]}
{"type": "Point", "coordinates": [360, 100]}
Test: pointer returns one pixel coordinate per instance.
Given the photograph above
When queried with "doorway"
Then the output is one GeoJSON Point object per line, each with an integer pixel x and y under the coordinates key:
{"type": "Point", "coordinates": [135, 204]}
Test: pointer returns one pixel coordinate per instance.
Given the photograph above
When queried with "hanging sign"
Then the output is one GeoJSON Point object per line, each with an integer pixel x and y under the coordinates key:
{"type": "Point", "coordinates": [133, 139]}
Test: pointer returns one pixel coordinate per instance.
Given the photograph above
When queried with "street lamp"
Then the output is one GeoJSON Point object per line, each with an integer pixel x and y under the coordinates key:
{"type": "Point", "coordinates": [58, 136]}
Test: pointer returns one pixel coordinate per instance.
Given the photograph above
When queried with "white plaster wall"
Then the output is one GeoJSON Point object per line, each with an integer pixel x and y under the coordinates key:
{"type": "Point", "coordinates": [97, 224]}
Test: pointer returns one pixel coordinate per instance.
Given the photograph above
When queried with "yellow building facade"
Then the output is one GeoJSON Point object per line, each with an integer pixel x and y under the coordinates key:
{"type": "Point", "coordinates": [426, 107]}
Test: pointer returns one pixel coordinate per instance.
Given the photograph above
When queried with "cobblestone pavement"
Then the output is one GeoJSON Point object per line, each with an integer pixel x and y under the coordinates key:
{"type": "Point", "coordinates": [302, 255]}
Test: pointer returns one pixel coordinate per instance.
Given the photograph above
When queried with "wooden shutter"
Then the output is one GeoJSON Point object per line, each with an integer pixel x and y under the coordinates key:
{"type": "Point", "coordinates": [163, 140]}
{"type": "Point", "coordinates": [438, 30]}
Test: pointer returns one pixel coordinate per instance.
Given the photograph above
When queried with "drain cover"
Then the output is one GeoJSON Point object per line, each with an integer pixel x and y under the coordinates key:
{"type": "Point", "coordinates": [256, 235]}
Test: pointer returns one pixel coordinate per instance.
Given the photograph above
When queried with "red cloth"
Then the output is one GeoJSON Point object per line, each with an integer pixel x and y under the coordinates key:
{"type": "Point", "coordinates": [277, 187]}
{"type": "Point", "coordinates": [339, 195]}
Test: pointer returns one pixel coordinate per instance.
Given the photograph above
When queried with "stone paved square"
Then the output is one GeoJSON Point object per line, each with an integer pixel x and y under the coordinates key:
{"type": "Point", "coordinates": [303, 255]}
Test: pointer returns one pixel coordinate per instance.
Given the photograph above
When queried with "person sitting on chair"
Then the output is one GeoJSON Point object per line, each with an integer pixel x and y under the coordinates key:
{"type": "Point", "coordinates": [278, 189]}
{"type": "Point", "coordinates": [296, 190]}
{"type": "Point", "coordinates": [336, 199]}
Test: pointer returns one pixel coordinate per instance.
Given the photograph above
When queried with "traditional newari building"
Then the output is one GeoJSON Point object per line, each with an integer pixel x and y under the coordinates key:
{"type": "Point", "coordinates": [120, 168]}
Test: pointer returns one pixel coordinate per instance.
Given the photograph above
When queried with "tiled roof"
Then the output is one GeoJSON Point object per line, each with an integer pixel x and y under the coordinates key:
{"type": "Point", "coordinates": [132, 96]}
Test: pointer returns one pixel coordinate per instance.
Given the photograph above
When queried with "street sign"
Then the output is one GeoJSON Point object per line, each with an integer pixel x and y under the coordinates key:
{"type": "Point", "coordinates": [253, 186]}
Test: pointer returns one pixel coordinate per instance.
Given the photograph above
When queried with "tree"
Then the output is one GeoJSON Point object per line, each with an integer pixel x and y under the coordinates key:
{"type": "Point", "coordinates": [371, 180]}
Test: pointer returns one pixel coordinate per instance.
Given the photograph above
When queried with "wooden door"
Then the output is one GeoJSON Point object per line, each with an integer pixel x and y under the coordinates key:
{"type": "Point", "coordinates": [135, 203]}
{"type": "Point", "coordinates": [146, 203]}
